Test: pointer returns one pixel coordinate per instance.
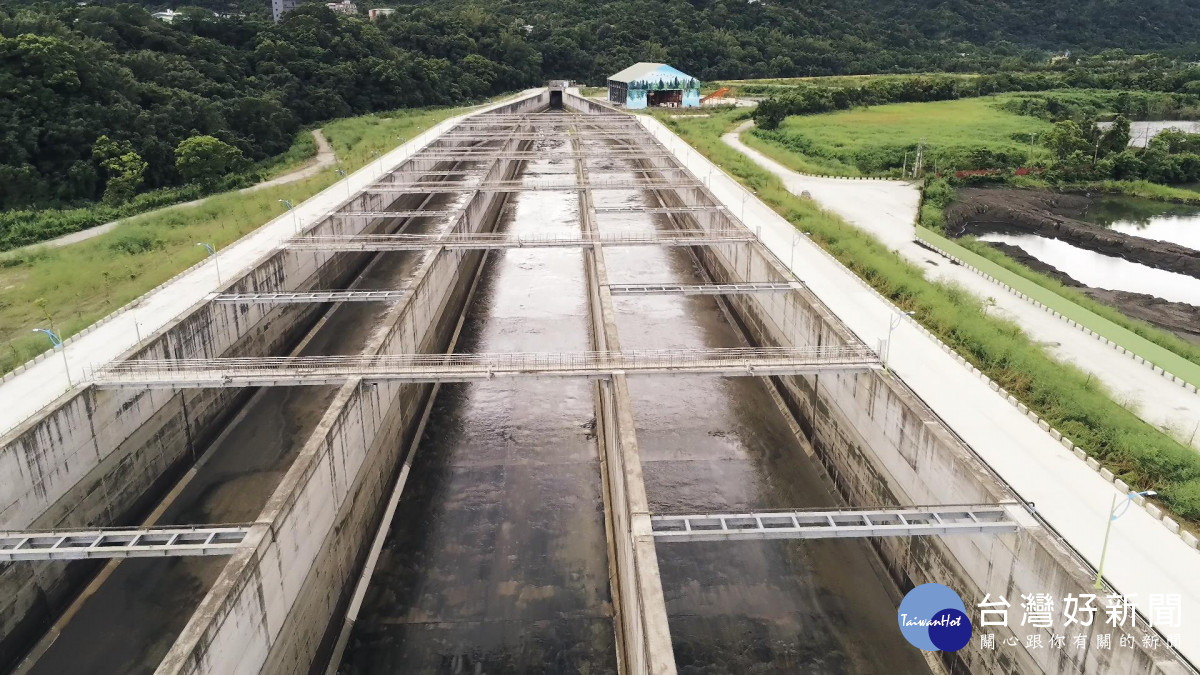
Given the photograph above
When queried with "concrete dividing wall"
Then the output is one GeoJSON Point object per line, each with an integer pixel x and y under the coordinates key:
{"type": "Point", "coordinates": [103, 457]}
{"type": "Point", "coordinates": [272, 607]}
{"type": "Point", "coordinates": [881, 445]}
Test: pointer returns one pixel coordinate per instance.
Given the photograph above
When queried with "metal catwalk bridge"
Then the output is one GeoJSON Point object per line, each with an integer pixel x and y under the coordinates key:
{"type": "Point", "coordinates": [823, 524]}
{"type": "Point", "coordinates": [326, 370]}
{"type": "Point", "coordinates": [209, 540]}
{"type": "Point", "coordinates": [527, 186]}
{"type": "Point", "coordinates": [121, 542]}
{"type": "Point", "coordinates": [497, 240]}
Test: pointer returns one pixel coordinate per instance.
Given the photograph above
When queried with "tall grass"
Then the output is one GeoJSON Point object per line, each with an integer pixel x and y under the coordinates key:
{"type": "Point", "coordinates": [69, 288]}
{"type": "Point", "coordinates": [1062, 394]}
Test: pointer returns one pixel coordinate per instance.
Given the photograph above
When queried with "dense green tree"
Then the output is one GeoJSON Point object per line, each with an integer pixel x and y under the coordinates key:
{"type": "Point", "coordinates": [1065, 140]}
{"type": "Point", "coordinates": [123, 168]}
{"type": "Point", "coordinates": [70, 73]}
{"type": "Point", "coordinates": [205, 160]}
{"type": "Point", "coordinates": [1116, 139]}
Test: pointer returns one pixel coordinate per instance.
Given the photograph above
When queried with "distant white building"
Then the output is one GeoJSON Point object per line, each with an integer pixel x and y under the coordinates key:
{"type": "Point", "coordinates": [278, 7]}
{"type": "Point", "coordinates": [381, 11]}
{"type": "Point", "coordinates": [343, 7]}
{"type": "Point", "coordinates": [166, 15]}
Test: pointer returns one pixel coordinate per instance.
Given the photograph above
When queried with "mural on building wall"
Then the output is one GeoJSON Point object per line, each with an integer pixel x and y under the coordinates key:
{"type": "Point", "coordinates": [663, 79]}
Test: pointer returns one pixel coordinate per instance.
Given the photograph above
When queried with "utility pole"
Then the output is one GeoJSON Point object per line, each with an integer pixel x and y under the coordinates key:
{"type": "Point", "coordinates": [1032, 136]}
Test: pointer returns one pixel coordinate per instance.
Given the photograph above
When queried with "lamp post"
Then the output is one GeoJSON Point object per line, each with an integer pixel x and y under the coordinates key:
{"type": "Point", "coordinates": [1113, 515]}
{"type": "Point", "coordinates": [57, 343]}
{"type": "Point", "coordinates": [892, 324]}
{"type": "Point", "coordinates": [380, 158]}
{"type": "Point", "coordinates": [342, 173]}
{"type": "Point", "coordinates": [212, 253]}
{"type": "Point", "coordinates": [295, 221]}
{"type": "Point", "coordinates": [745, 194]}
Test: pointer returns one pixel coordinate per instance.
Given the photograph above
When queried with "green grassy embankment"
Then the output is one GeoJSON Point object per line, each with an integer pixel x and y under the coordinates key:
{"type": "Point", "coordinates": [876, 139]}
{"type": "Point", "coordinates": [69, 288]}
{"type": "Point", "coordinates": [1062, 394]}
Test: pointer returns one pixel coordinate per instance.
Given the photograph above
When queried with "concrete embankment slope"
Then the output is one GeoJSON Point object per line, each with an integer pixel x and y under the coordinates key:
{"type": "Point", "coordinates": [1144, 557]}
{"type": "Point", "coordinates": [887, 210]}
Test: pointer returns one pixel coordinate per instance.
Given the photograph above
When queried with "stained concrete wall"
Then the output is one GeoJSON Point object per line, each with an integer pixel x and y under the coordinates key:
{"type": "Point", "coordinates": [272, 607]}
{"type": "Point", "coordinates": [882, 445]}
{"type": "Point", "coordinates": [103, 457]}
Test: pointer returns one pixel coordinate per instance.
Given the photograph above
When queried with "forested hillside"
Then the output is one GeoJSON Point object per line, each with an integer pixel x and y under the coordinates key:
{"type": "Point", "coordinates": [72, 74]}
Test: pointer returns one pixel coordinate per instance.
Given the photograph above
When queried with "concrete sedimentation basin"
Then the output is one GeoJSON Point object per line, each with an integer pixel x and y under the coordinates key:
{"type": "Point", "coordinates": [497, 521]}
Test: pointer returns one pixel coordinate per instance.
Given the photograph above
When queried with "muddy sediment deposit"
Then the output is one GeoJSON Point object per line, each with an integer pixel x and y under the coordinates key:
{"type": "Point", "coordinates": [1179, 318]}
{"type": "Point", "coordinates": [1054, 215]}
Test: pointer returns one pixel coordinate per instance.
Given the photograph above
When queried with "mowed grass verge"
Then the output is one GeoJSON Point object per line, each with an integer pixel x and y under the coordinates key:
{"type": "Point", "coordinates": [1062, 394]}
{"type": "Point", "coordinates": [870, 141]}
{"type": "Point", "coordinates": [67, 289]}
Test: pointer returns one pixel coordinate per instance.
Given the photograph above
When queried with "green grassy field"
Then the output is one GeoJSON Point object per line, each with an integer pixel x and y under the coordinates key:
{"type": "Point", "coordinates": [69, 288]}
{"type": "Point", "coordinates": [1060, 393]}
{"type": "Point", "coordinates": [776, 84]}
{"type": "Point", "coordinates": [875, 140]}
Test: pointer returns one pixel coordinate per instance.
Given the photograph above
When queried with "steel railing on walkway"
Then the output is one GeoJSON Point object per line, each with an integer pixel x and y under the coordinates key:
{"type": "Point", "coordinates": [327, 370]}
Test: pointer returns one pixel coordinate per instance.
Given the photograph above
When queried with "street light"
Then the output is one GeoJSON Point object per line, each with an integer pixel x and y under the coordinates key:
{"type": "Point", "coordinates": [342, 173]}
{"type": "Point", "coordinates": [378, 157]}
{"type": "Point", "coordinates": [295, 221]}
{"type": "Point", "coordinates": [1113, 515]}
{"type": "Point", "coordinates": [56, 342]}
{"type": "Point", "coordinates": [892, 324]}
{"type": "Point", "coordinates": [795, 241]}
{"type": "Point", "coordinates": [212, 253]}
{"type": "Point", "coordinates": [745, 194]}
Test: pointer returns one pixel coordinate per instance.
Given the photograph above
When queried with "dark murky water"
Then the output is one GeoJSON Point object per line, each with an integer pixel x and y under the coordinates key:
{"type": "Point", "coordinates": [1176, 223]}
{"type": "Point", "coordinates": [133, 618]}
{"type": "Point", "coordinates": [1103, 271]}
{"type": "Point", "coordinates": [1136, 217]}
{"type": "Point", "coordinates": [496, 561]}
{"type": "Point", "coordinates": [712, 444]}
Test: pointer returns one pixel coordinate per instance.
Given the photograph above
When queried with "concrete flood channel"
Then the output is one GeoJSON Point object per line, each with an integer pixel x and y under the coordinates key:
{"type": "Point", "coordinates": [496, 560]}
{"type": "Point", "coordinates": [520, 541]}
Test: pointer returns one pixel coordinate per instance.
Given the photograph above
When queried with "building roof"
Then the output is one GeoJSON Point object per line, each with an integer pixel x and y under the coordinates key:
{"type": "Point", "coordinates": [635, 71]}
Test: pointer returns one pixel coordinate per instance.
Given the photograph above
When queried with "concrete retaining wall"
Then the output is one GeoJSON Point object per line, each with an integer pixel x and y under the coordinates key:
{"type": "Point", "coordinates": [881, 445]}
{"type": "Point", "coordinates": [271, 608]}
